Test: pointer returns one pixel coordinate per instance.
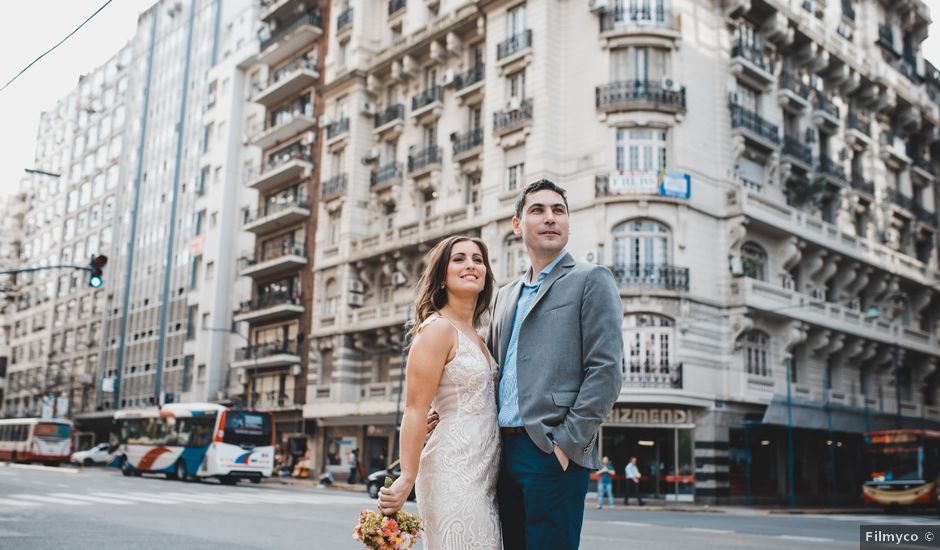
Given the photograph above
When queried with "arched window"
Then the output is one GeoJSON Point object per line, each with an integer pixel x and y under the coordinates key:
{"type": "Point", "coordinates": [754, 261]}
{"type": "Point", "coordinates": [756, 349]}
{"type": "Point", "coordinates": [641, 246]}
{"type": "Point", "coordinates": [648, 349]}
{"type": "Point", "coordinates": [516, 259]}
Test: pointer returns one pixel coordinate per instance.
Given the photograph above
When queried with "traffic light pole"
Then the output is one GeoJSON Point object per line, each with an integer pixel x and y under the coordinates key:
{"type": "Point", "coordinates": [44, 268]}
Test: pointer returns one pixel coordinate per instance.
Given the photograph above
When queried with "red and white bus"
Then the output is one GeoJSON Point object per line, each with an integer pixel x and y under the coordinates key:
{"type": "Point", "coordinates": [195, 440]}
{"type": "Point", "coordinates": [36, 440]}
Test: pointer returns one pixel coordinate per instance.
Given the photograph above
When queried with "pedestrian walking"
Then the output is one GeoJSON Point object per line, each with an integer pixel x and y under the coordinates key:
{"type": "Point", "coordinates": [633, 483]}
{"type": "Point", "coordinates": [605, 484]}
{"type": "Point", "coordinates": [353, 466]}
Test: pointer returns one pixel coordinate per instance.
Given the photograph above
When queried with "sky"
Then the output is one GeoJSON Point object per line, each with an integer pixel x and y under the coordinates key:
{"type": "Point", "coordinates": [29, 28]}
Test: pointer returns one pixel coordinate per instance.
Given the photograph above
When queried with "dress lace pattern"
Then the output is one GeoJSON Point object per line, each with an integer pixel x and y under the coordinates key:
{"type": "Point", "coordinates": [456, 484]}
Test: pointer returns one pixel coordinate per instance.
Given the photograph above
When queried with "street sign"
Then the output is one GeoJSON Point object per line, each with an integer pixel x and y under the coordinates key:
{"type": "Point", "coordinates": [107, 384]}
{"type": "Point", "coordinates": [676, 184]}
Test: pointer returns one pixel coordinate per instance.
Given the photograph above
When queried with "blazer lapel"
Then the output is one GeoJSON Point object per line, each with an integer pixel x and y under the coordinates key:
{"type": "Point", "coordinates": [506, 317]}
{"type": "Point", "coordinates": [560, 271]}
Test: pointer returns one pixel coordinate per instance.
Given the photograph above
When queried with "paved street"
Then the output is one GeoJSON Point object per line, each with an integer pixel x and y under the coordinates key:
{"type": "Point", "coordinates": [61, 508]}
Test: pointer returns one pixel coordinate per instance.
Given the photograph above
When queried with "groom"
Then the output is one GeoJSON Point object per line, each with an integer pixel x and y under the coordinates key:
{"type": "Point", "coordinates": [556, 334]}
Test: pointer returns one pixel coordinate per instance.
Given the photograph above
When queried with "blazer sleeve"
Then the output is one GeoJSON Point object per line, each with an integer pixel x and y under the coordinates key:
{"type": "Point", "coordinates": [602, 363]}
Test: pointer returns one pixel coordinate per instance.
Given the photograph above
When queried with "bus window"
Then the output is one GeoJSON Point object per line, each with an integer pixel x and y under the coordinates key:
{"type": "Point", "coordinates": [242, 427]}
{"type": "Point", "coordinates": [195, 431]}
{"type": "Point", "coordinates": [51, 430]}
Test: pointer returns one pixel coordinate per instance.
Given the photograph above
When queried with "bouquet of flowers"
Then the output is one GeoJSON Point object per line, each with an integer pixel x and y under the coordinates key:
{"type": "Point", "coordinates": [398, 531]}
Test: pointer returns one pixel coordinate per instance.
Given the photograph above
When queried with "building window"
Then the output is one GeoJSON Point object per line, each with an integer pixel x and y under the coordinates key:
{"type": "Point", "coordinates": [517, 260]}
{"type": "Point", "coordinates": [515, 21]}
{"type": "Point", "coordinates": [515, 176]}
{"type": "Point", "coordinates": [515, 85]}
{"type": "Point", "coordinates": [332, 298]}
{"type": "Point", "coordinates": [641, 150]}
{"type": "Point", "coordinates": [641, 246]}
{"type": "Point", "coordinates": [754, 261]}
{"type": "Point", "coordinates": [474, 196]}
{"type": "Point", "coordinates": [210, 270]}
{"type": "Point", "coordinates": [648, 343]}
{"type": "Point", "coordinates": [756, 346]}
{"type": "Point", "coordinates": [332, 234]}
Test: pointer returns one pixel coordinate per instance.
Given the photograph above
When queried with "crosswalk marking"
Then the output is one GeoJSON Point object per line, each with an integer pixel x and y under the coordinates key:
{"type": "Point", "coordinates": [805, 539]}
{"type": "Point", "coordinates": [49, 499]}
{"type": "Point", "coordinates": [151, 499]}
{"type": "Point", "coordinates": [707, 530]}
{"type": "Point", "coordinates": [12, 502]}
{"type": "Point", "coordinates": [99, 500]}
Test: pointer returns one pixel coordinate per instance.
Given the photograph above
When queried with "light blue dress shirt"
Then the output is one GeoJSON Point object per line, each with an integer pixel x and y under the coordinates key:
{"type": "Point", "coordinates": [508, 415]}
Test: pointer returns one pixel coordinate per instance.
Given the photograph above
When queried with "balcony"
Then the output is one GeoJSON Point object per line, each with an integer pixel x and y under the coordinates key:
{"type": "Point", "coordinates": [284, 42]}
{"type": "Point", "coordinates": [273, 401]}
{"type": "Point", "coordinates": [286, 124]}
{"type": "Point", "coordinates": [795, 150]}
{"type": "Point", "coordinates": [289, 164]}
{"type": "Point", "coordinates": [288, 81]}
{"type": "Point", "coordinates": [427, 101]}
{"type": "Point", "coordinates": [424, 161]}
{"type": "Point", "coordinates": [272, 355]}
{"type": "Point", "coordinates": [860, 184]}
{"type": "Point", "coordinates": [832, 172]}
{"type": "Point", "coordinates": [386, 176]}
{"type": "Point", "coordinates": [825, 112]}
{"type": "Point", "coordinates": [288, 258]}
{"type": "Point", "coordinates": [925, 216]}
{"type": "Point", "coordinates": [390, 121]}
{"type": "Point", "coordinates": [754, 128]}
{"type": "Point", "coordinates": [344, 24]}
{"type": "Point", "coordinates": [894, 151]}
{"type": "Point", "coordinates": [467, 83]}
{"type": "Point", "coordinates": [395, 6]}
{"type": "Point", "coordinates": [751, 64]}
{"type": "Point", "coordinates": [633, 278]}
{"type": "Point", "coordinates": [515, 117]}
{"type": "Point", "coordinates": [273, 306]}
{"type": "Point", "coordinates": [277, 216]}
{"type": "Point", "coordinates": [624, 20]}
{"type": "Point", "coordinates": [513, 46]}
{"type": "Point", "coordinates": [900, 200]}
{"type": "Point", "coordinates": [793, 93]}
{"type": "Point", "coordinates": [650, 374]}
{"type": "Point", "coordinates": [468, 144]}
{"type": "Point", "coordinates": [922, 171]}
{"type": "Point", "coordinates": [640, 95]}
{"type": "Point", "coordinates": [337, 129]}
{"type": "Point", "coordinates": [858, 133]}
{"type": "Point", "coordinates": [334, 187]}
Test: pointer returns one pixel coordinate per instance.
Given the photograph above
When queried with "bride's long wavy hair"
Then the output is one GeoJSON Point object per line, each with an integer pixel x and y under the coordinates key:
{"type": "Point", "coordinates": [431, 294]}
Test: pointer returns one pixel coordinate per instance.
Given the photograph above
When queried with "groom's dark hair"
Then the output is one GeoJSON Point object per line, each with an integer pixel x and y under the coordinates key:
{"type": "Point", "coordinates": [535, 187]}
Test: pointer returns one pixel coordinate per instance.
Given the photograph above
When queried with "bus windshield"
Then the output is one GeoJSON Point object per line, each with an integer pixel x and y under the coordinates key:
{"type": "Point", "coordinates": [896, 463]}
{"type": "Point", "coordinates": [251, 428]}
{"type": "Point", "coordinates": [52, 430]}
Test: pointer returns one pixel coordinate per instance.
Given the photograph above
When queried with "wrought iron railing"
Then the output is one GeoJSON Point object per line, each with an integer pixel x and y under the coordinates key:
{"type": "Point", "coordinates": [631, 92]}
{"type": "Point", "coordinates": [855, 122]}
{"type": "Point", "coordinates": [831, 168]}
{"type": "Point", "coordinates": [511, 117]}
{"type": "Point", "coordinates": [392, 112]}
{"type": "Point", "coordinates": [275, 208]}
{"type": "Point", "coordinates": [514, 44]}
{"type": "Point", "coordinates": [344, 20]}
{"type": "Point", "coordinates": [639, 373]}
{"type": "Point", "coordinates": [385, 173]}
{"type": "Point", "coordinates": [427, 97]}
{"type": "Point", "coordinates": [395, 5]}
{"type": "Point", "coordinates": [285, 249]}
{"type": "Point", "coordinates": [467, 141]}
{"type": "Point", "coordinates": [333, 186]}
{"type": "Point", "coordinates": [790, 82]}
{"type": "Point", "coordinates": [260, 351]}
{"type": "Point", "coordinates": [900, 199]}
{"type": "Point", "coordinates": [270, 299]}
{"type": "Point", "coordinates": [658, 276]}
{"type": "Point", "coordinates": [753, 54]}
{"type": "Point", "coordinates": [309, 18]}
{"type": "Point", "coordinates": [743, 118]}
{"type": "Point", "coordinates": [794, 148]}
{"type": "Point", "coordinates": [295, 65]}
{"type": "Point", "coordinates": [861, 184]}
{"type": "Point", "coordinates": [470, 77]}
{"type": "Point", "coordinates": [625, 17]}
{"type": "Point", "coordinates": [824, 104]}
{"type": "Point", "coordinates": [338, 128]}
{"type": "Point", "coordinates": [424, 158]}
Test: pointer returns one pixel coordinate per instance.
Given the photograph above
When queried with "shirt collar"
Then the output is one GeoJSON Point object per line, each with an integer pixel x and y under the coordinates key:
{"type": "Point", "coordinates": [544, 273]}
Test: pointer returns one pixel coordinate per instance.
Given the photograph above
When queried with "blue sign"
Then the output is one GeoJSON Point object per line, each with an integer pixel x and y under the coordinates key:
{"type": "Point", "coordinates": [676, 184]}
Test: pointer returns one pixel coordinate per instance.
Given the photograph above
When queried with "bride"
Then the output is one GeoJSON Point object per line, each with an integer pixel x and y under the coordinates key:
{"type": "Point", "coordinates": [455, 475]}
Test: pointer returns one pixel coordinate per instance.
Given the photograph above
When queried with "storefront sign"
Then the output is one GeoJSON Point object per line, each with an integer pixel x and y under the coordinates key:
{"type": "Point", "coordinates": [657, 416]}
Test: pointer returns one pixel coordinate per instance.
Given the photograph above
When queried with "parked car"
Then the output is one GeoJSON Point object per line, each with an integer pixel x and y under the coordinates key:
{"type": "Point", "coordinates": [96, 455]}
{"type": "Point", "coordinates": [376, 480]}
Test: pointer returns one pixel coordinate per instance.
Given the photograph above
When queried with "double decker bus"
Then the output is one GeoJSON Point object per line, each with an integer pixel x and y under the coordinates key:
{"type": "Point", "coordinates": [904, 468]}
{"type": "Point", "coordinates": [191, 441]}
{"type": "Point", "coordinates": [36, 440]}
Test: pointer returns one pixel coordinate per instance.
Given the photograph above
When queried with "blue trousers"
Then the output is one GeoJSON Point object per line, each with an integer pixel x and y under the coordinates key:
{"type": "Point", "coordinates": [605, 489]}
{"type": "Point", "coordinates": [541, 506]}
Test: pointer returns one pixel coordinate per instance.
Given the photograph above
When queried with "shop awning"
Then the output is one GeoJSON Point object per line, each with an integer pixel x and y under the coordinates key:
{"type": "Point", "coordinates": [816, 416]}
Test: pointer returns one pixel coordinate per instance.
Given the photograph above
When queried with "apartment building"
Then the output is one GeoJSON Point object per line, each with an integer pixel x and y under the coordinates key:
{"type": "Point", "coordinates": [760, 177]}
{"type": "Point", "coordinates": [169, 321]}
{"type": "Point", "coordinates": [67, 210]}
{"type": "Point", "coordinates": [282, 83]}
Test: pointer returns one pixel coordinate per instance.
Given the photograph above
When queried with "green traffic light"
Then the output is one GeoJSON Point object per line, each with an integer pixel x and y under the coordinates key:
{"type": "Point", "coordinates": [95, 281]}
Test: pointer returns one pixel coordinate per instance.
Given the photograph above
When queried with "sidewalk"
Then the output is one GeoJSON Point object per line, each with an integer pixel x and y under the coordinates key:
{"type": "Point", "coordinates": [341, 486]}
{"type": "Point", "coordinates": [659, 505]}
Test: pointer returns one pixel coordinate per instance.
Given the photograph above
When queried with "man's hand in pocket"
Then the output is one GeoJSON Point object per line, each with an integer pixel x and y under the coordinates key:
{"type": "Point", "coordinates": [562, 457]}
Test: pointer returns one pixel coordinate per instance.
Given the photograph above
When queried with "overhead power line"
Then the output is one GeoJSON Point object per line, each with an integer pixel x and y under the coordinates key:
{"type": "Point", "coordinates": [59, 43]}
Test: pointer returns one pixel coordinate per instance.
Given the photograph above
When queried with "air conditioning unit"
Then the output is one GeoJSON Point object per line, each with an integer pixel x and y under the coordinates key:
{"type": "Point", "coordinates": [592, 256]}
{"type": "Point", "coordinates": [325, 121]}
{"type": "Point", "coordinates": [398, 278]}
{"type": "Point", "coordinates": [309, 138]}
{"type": "Point", "coordinates": [736, 266]}
{"type": "Point", "coordinates": [295, 370]}
{"type": "Point", "coordinates": [448, 78]}
{"type": "Point", "coordinates": [355, 300]}
{"type": "Point", "coordinates": [515, 103]}
{"type": "Point", "coordinates": [670, 85]}
{"type": "Point", "coordinates": [367, 108]}
{"type": "Point", "coordinates": [355, 285]}
{"type": "Point", "coordinates": [598, 6]}
{"type": "Point", "coordinates": [733, 98]}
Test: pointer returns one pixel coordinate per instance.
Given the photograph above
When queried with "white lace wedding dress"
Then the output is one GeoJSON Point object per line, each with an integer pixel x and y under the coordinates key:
{"type": "Point", "coordinates": [456, 484]}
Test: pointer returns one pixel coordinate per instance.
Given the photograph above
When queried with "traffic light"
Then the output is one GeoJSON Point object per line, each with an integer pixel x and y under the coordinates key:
{"type": "Point", "coordinates": [95, 268]}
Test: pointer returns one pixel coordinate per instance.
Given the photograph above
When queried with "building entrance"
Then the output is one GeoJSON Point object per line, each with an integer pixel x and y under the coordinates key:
{"type": "Point", "coordinates": [664, 458]}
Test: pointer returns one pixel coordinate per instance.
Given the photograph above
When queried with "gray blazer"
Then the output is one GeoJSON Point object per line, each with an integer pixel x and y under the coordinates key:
{"type": "Point", "coordinates": [569, 356]}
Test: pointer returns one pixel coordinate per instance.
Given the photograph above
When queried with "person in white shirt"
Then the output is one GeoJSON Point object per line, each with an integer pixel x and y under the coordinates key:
{"type": "Point", "coordinates": [633, 482]}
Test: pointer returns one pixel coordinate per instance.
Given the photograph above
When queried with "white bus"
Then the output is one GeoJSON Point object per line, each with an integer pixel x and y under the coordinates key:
{"type": "Point", "coordinates": [36, 440]}
{"type": "Point", "coordinates": [189, 441]}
